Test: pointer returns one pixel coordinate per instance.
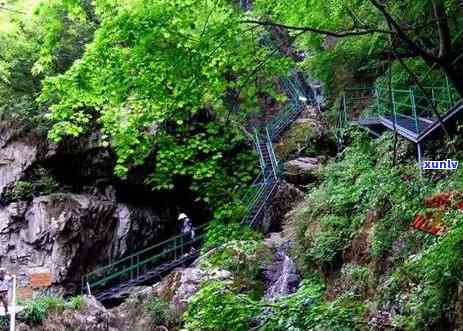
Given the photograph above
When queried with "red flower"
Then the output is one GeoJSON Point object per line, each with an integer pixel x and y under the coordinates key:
{"type": "Point", "coordinates": [441, 200]}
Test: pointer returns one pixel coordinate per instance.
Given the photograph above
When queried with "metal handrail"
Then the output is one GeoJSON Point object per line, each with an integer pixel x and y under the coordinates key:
{"type": "Point", "coordinates": [409, 101]}
{"type": "Point", "coordinates": [261, 157]}
{"type": "Point", "coordinates": [136, 256]}
{"type": "Point", "coordinates": [273, 158]}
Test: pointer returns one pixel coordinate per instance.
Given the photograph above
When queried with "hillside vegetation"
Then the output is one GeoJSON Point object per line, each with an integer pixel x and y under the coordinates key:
{"type": "Point", "coordinates": [173, 90]}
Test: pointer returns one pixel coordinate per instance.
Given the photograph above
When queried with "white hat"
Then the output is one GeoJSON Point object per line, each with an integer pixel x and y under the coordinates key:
{"type": "Point", "coordinates": [182, 216]}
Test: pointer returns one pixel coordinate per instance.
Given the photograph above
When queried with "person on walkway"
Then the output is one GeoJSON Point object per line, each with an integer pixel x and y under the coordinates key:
{"type": "Point", "coordinates": [4, 287]}
{"type": "Point", "coordinates": [187, 231]}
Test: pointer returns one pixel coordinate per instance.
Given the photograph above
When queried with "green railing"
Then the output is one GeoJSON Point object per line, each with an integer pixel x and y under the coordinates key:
{"type": "Point", "coordinates": [370, 103]}
{"type": "Point", "coordinates": [258, 143]}
{"type": "Point", "coordinates": [133, 266]}
{"type": "Point", "coordinates": [263, 138]}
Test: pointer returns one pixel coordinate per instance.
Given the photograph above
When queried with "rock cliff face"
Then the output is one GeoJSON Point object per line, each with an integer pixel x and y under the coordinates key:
{"type": "Point", "coordinates": [17, 154]}
{"type": "Point", "coordinates": [50, 236]}
{"type": "Point", "coordinates": [69, 234]}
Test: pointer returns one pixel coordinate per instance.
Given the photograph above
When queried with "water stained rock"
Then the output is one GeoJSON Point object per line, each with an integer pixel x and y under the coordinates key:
{"type": "Point", "coordinates": [281, 276]}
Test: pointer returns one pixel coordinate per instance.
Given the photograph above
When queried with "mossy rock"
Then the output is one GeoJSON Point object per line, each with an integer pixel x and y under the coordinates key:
{"type": "Point", "coordinates": [307, 136]}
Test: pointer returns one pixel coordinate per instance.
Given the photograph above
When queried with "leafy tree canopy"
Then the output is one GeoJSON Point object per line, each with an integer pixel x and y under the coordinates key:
{"type": "Point", "coordinates": [154, 78]}
{"type": "Point", "coordinates": [346, 37]}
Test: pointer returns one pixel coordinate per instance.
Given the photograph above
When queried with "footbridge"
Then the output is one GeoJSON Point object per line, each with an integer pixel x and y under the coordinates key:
{"type": "Point", "coordinates": [416, 114]}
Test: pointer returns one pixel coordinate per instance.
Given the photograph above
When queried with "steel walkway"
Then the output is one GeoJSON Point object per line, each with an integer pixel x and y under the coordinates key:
{"type": "Point", "coordinates": [411, 113]}
{"type": "Point", "coordinates": [404, 124]}
{"type": "Point", "coordinates": [415, 130]}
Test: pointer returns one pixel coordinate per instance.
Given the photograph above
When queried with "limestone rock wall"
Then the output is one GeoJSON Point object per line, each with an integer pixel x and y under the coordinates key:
{"type": "Point", "coordinates": [69, 234]}
{"type": "Point", "coordinates": [50, 240]}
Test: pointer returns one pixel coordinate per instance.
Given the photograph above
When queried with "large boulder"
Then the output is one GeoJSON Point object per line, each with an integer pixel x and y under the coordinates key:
{"type": "Point", "coordinates": [285, 199]}
{"type": "Point", "coordinates": [303, 170]}
{"type": "Point", "coordinates": [309, 135]}
{"type": "Point", "coordinates": [179, 286]}
{"type": "Point", "coordinates": [65, 235]}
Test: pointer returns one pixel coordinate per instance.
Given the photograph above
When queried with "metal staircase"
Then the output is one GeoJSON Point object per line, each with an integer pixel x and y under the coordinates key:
{"type": "Point", "coordinates": [264, 136]}
{"type": "Point", "coordinates": [150, 264]}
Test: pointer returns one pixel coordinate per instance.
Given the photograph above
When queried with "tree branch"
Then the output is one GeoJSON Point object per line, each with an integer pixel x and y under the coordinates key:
{"type": "Point", "coordinates": [401, 34]}
{"type": "Point", "coordinates": [339, 34]}
{"type": "Point", "coordinates": [387, 54]}
{"type": "Point", "coordinates": [12, 10]}
{"type": "Point", "coordinates": [445, 42]}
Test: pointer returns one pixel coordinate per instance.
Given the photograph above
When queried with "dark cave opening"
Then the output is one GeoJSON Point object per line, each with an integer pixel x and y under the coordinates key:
{"type": "Point", "coordinates": [93, 171]}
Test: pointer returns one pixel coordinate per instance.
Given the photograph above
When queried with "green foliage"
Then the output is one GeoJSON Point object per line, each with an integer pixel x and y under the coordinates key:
{"type": "Point", "coordinates": [434, 276]}
{"type": "Point", "coordinates": [245, 260]}
{"type": "Point", "coordinates": [43, 44]}
{"type": "Point", "coordinates": [337, 65]}
{"type": "Point", "coordinates": [219, 233]}
{"type": "Point", "coordinates": [361, 182]}
{"type": "Point", "coordinates": [358, 60]}
{"type": "Point", "coordinates": [217, 308]}
{"type": "Point", "coordinates": [154, 78]}
{"type": "Point", "coordinates": [158, 311]}
{"type": "Point", "coordinates": [41, 182]}
{"type": "Point", "coordinates": [74, 303]}
{"type": "Point", "coordinates": [37, 310]}
{"type": "Point", "coordinates": [425, 269]}
{"type": "Point", "coordinates": [62, 29]}
{"type": "Point", "coordinates": [306, 310]}
{"type": "Point", "coordinates": [220, 307]}
{"type": "Point", "coordinates": [357, 279]}
{"type": "Point", "coordinates": [331, 239]}
{"type": "Point", "coordinates": [22, 190]}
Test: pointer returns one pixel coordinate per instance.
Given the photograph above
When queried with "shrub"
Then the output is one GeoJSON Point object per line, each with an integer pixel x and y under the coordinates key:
{"type": "Point", "coordinates": [306, 310]}
{"type": "Point", "coordinates": [219, 233]}
{"type": "Point", "coordinates": [40, 183]}
{"type": "Point", "coordinates": [37, 310]}
{"type": "Point", "coordinates": [244, 259]}
{"type": "Point", "coordinates": [217, 308]}
{"type": "Point", "coordinates": [158, 311]}
{"type": "Point", "coordinates": [74, 303]}
{"type": "Point", "coordinates": [22, 190]}
{"type": "Point", "coordinates": [362, 180]}
{"type": "Point", "coordinates": [433, 277]}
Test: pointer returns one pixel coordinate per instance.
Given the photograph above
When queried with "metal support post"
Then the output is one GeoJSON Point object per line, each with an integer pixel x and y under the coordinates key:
{"type": "Point", "coordinates": [13, 307]}
{"type": "Point", "coordinates": [418, 148]}
{"type": "Point", "coordinates": [415, 115]}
